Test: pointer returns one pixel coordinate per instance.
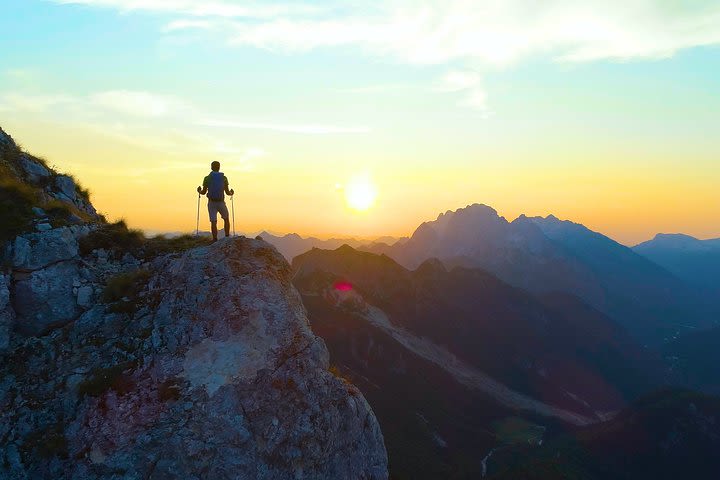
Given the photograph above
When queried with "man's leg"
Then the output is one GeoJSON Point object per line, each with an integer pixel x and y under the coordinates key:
{"type": "Point", "coordinates": [226, 219]}
{"type": "Point", "coordinates": [213, 211]}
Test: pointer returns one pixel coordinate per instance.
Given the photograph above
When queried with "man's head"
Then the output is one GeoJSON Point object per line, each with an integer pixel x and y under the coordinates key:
{"type": "Point", "coordinates": [215, 166]}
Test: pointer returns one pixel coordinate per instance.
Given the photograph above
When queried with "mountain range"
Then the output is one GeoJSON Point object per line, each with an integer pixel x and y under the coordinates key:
{"type": "Point", "coordinates": [545, 255]}
{"type": "Point", "coordinates": [292, 244]}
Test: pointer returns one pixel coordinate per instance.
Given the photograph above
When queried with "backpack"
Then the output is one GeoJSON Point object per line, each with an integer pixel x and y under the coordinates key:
{"type": "Point", "coordinates": [216, 187]}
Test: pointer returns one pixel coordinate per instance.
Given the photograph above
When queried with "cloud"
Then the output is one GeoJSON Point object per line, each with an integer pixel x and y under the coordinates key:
{"type": "Point", "coordinates": [482, 32]}
{"type": "Point", "coordinates": [34, 103]}
{"type": "Point", "coordinates": [383, 88]}
{"type": "Point", "coordinates": [479, 35]}
{"type": "Point", "coordinates": [128, 102]}
{"type": "Point", "coordinates": [138, 103]}
{"type": "Point", "coordinates": [309, 129]}
{"type": "Point", "coordinates": [490, 33]}
{"type": "Point", "coordinates": [245, 157]}
{"type": "Point", "coordinates": [177, 25]}
{"type": "Point", "coordinates": [147, 105]}
{"type": "Point", "coordinates": [200, 8]}
{"type": "Point", "coordinates": [455, 81]}
{"type": "Point", "coordinates": [467, 83]}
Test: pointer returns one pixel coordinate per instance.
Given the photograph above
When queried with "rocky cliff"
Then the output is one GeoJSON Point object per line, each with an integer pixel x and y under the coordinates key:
{"type": "Point", "coordinates": [193, 364]}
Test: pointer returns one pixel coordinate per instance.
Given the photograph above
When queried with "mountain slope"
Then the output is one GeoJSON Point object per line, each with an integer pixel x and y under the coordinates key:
{"type": "Point", "coordinates": [696, 262]}
{"type": "Point", "coordinates": [670, 434]}
{"type": "Point", "coordinates": [695, 360]}
{"type": "Point", "coordinates": [634, 287]}
{"type": "Point", "coordinates": [488, 324]}
{"type": "Point", "coordinates": [456, 340]}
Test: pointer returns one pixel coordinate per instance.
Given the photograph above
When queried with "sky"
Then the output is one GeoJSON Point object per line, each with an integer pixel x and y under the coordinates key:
{"type": "Point", "coordinates": [606, 113]}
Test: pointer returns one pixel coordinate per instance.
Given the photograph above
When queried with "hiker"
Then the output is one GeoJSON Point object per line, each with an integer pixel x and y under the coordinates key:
{"type": "Point", "coordinates": [216, 187]}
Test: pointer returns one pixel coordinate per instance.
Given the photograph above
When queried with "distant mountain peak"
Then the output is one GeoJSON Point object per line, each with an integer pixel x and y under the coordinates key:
{"type": "Point", "coordinates": [675, 237]}
{"type": "Point", "coordinates": [431, 265]}
{"type": "Point", "coordinates": [345, 248]}
{"type": "Point", "coordinates": [672, 241]}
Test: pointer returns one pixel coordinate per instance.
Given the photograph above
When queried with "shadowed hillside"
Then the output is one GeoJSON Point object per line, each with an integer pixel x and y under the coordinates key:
{"type": "Point", "coordinates": [456, 340]}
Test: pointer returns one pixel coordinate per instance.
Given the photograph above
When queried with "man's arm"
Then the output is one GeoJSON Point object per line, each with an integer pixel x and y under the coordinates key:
{"type": "Point", "coordinates": [203, 190]}
{"type": "Point", "coordinates": [228, 191]}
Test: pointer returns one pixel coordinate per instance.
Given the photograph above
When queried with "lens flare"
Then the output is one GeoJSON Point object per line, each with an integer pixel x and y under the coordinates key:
{"type": "Point", "coordinates": [343, 286]}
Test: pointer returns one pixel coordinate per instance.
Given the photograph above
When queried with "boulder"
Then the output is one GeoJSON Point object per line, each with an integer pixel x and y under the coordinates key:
{"type": "Point", "coordinates": [66, 185]}
{"type": "Point", "coordinates": [37, 250]}
{"type": "Point", "coordinates": [35, 172]}
{"type": "Point", "coordinates": [44, 298]}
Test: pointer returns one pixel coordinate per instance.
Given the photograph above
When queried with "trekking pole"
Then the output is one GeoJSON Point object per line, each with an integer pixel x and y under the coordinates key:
{"type": "Point", "coordinates": [197, 225]}
{"type": "Point", "coordinates": [232, 203]}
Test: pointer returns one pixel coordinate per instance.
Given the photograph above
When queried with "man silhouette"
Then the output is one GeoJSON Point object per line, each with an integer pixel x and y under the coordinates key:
{"type": "Point", "coordinates": [215, 185]}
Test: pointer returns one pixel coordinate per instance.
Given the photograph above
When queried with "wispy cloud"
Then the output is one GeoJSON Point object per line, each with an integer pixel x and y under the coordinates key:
{"type": "Point", "coordinates": [470, 34]}
{"type": "Point", "coordinates": [177, 25]}
{"type": "Point", "coordinates": [33, 103]}
{"type": "Point", "coordinates": [309, 129]}
{"type": "Point", "coordinates": [383, 88]}
{"type": "Point", "coordinates": [469, 85]}
{"type": "Point", "coordinates": [201, 8]}
{"type": "Point", "coordinates": [144, 104]}
{"type": "Point", "coordinates": [498, 33]}
{"type": "Point", "coordinates": [161, 123]}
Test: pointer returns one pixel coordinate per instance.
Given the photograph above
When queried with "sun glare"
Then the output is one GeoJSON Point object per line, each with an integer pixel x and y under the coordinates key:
{"type": "Point", "coordinates": [360, 193]}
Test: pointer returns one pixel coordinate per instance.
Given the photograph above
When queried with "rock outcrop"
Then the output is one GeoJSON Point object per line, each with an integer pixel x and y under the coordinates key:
{"type": "Point", "coordinates": [50, 198]}
{"type": "Point", "coordinates": [189, 365]}
{"type": "Point", "coordinates": [215, 374]}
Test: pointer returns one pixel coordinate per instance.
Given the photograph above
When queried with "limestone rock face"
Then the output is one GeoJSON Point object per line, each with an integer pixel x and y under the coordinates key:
{"type": "Point", "coordinates": [38, 250]}
{"type": "Point", "coordinates": [46, 266]}
{"type": "Point", "coordinates": [212, 371]}
{"type": "Point", "coordinates": [44, 298]}
{"type": "Point", "coordinates": [7, 315]}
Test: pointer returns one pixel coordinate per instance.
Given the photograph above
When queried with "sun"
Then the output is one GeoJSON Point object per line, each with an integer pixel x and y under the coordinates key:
{"type": "Point", "coordinates": [360, 193]}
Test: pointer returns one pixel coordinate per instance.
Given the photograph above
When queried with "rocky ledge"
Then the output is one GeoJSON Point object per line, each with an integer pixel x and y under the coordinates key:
{"type": "Point", "coordinates": [208, 369]}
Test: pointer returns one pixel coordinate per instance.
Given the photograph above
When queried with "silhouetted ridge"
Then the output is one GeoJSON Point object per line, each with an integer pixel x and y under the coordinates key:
{"type": "Point", "coordinates": [544, 255]}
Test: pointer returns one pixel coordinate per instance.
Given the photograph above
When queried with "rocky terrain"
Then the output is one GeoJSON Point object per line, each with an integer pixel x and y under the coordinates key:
{"type": "Point", "coordinates": [128, 358]}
